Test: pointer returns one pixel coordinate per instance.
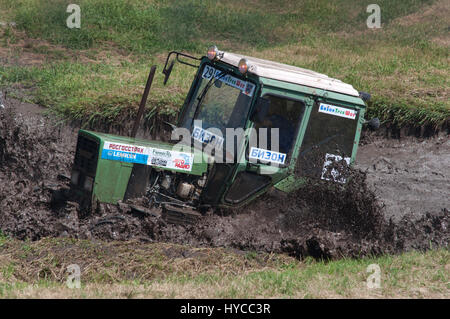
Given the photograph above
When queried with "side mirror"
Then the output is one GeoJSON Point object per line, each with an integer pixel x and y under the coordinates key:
{"type": "Point", "coordinates": [167, 72]}
{"type": "Point", "coordinates": [364, 96]}
{"type": "Point", "coordinates": [260, 110]}
{"type": "Point", "coordinates": [172, 126]}
{"type": "Point", "coordinates": [374, 124]}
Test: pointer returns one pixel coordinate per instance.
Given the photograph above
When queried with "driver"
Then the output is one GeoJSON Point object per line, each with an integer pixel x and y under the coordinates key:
{"type": "Point", "coordinates": [286, 131]}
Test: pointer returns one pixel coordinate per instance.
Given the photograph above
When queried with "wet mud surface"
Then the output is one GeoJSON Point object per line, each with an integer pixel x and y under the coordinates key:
{"type": "Point", "coordinates": [396, 200]}
{"type": "Point", "coordinates": [408, 175]}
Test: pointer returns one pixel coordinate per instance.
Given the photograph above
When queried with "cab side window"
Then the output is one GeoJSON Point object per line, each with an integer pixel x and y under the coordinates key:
{"type": "Point", "coordinates": [285, 115]}
{"type": "Point", "coordinates": [326, 135]}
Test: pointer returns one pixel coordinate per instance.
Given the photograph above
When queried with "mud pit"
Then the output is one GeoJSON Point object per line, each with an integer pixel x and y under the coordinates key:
{"type": "Point", "coordinates": [36, 157]}
{"type": "Point", "coordinates": [410, 176]}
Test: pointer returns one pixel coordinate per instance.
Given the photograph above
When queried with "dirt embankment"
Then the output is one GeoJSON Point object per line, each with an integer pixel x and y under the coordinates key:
{"type": "Point", "coordinates": [36, 157]}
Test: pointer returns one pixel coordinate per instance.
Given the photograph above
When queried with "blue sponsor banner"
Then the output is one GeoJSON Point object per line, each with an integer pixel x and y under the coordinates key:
{"type": "Point", "coordinates": [124, 156]}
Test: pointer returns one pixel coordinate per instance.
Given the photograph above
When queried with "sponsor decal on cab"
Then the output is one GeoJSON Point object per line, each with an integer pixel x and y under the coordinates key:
{"type": "Point", "coordinates": [267, 156]}
{"type": "Point", "coordinates": [337, 111]}
{"type": "Point", "coordinates": [207, 137]}
{"type": "Point", "coordinates": [246, 87]}
{"type": "Point", "coordinates": [335, 174]}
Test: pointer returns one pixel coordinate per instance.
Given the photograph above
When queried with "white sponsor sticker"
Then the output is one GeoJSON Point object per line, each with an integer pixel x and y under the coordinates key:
{"type": "Point", "coordinates": [330, 173]}
{"type": "Point", "coordinates": [207, 137]}
{"type": "Point", "coordinates": [182, 161]}
{"type": "Point", "coordinates": [147, 155]}
{"type": "Point", "coordinates": [267, 156]}
{"type": "Point", "coordinates": [337, 111]}
{"type": "Point", "coordinates": [246, 87]}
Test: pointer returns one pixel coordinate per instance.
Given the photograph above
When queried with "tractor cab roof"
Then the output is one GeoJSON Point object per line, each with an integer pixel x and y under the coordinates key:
{"type": "Point", "coordinates": [287, 73]}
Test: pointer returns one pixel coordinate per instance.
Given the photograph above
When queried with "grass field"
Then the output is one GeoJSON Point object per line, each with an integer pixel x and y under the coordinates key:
{"type": "Point", "coordinates": [157, 270]}
{"type": "Point", "coordinates": [97, 73]}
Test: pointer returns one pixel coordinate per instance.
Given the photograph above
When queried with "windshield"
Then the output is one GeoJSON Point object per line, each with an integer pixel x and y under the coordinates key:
{"type": "Point", "coordinates": [221, 101]}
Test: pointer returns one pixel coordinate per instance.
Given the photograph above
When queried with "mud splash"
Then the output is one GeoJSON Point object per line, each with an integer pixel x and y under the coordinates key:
{"type": "Point", "coordinates": [34, 156]}
{"type": "Point", "coordinates": [319, 221]}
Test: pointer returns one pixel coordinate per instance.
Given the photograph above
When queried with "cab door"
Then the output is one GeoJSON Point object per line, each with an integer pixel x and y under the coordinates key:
{"type": "Point", "coordinates": [274, 139]}
{"type": "Point", "coordinates": [329, 144]}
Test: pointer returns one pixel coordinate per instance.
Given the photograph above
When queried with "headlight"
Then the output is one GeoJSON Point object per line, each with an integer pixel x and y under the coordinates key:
{"type": "Point", "coordinates": [243, 66]}
{"type": "Point", "coordinates": [212, 52]}
{"type": "Point", "coordinates": [88, 183]}
{"type": "Point", "coordinates": [74, 177]}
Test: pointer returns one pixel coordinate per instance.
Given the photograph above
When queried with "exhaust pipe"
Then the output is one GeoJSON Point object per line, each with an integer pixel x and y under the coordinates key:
{"type": "Point", "coordinates": [143, 101]}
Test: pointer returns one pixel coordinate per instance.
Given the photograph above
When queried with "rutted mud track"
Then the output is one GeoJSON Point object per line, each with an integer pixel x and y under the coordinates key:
{"type": "Point", "coordinates": [36, 156]}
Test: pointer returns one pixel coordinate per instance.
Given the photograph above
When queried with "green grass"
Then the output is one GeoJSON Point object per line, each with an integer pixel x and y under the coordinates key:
{"type": "Point", "coordinates": [96, 74]}
{"type": "Point", "coordinates": [155, 26]}
{"type": "Point", "coordinates": [157, 270]}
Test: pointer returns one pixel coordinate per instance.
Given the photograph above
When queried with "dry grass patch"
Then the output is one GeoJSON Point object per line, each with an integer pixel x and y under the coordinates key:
{"type": "Point", "coordinates": [112, 262]}
{"type": "Point", "coordinates": [159, 270]}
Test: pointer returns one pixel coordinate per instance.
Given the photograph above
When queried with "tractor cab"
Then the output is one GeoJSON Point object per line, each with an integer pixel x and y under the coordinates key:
{"type": "Point", "coordinates": [246, 125]}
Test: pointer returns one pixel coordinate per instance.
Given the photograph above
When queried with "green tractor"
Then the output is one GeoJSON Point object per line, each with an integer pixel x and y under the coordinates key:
{"type": "Point", "coordinates": [247, 125]}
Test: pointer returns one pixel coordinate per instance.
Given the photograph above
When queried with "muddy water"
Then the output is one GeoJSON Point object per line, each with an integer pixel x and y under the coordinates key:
{"type": "Point", "coordinates": [374, 213]}
{"type": "Point", "coordinates": [409, 175]}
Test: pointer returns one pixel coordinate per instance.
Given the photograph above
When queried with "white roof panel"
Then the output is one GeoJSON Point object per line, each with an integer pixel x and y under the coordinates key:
{"type": "Point", "coordinates": [289, 73]}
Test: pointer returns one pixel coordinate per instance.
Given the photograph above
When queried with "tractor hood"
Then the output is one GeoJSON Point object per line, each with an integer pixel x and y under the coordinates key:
{"type": "Point", "coordinates": [161, 155]}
